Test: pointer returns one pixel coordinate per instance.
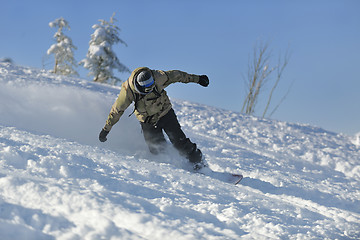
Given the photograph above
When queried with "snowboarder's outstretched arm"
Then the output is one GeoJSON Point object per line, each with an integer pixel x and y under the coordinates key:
{"type": "Point", "coordinates": [123, 101]}
{"type": "Point", "coordinates": [166, 78]}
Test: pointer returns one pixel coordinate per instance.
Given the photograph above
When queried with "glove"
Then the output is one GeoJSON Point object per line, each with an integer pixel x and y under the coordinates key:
{"type": "Point", "coordinates": [203, 80]}
{"type": "Point", "coordinates": [102, 135]}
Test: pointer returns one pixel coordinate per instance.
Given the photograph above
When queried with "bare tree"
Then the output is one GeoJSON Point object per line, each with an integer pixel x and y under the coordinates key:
{"type": "Point", "coordinates": [260, 74]}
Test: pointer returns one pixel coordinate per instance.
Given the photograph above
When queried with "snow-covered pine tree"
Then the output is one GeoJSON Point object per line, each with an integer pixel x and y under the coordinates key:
{"type": "Point", "coordinates": [100, 59]}
{"type": "Point", "coordinates": [62, 49]}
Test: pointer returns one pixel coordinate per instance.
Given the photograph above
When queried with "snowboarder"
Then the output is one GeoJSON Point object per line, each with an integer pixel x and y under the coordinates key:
{"type": "Point", "coordinates": [153, 109]}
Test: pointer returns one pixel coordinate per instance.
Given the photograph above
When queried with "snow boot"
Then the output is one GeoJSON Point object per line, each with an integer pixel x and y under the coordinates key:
{"type": "Point", "coordinates": [197, 159]}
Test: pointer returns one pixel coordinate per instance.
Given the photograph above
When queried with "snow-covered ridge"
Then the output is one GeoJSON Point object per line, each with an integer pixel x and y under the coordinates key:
{"type": "Point", "coordinates": [58, 181]}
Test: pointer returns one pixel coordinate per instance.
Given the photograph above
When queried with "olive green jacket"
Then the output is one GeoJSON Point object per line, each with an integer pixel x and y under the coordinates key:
{"type": "Point", "coordinates": [151, 107]}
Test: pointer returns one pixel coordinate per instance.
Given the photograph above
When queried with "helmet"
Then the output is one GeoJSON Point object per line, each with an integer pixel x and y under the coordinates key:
{"type": "Point", "coordinates": [144, 82]}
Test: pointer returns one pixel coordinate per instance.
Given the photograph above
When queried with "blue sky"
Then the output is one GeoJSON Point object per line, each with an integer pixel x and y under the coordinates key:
{"type": "Point", "coordinates": [215, 38]}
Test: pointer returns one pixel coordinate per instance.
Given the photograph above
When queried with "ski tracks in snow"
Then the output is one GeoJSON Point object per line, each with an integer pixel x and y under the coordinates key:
{"type": "Point", "coordinates": [291, 182]}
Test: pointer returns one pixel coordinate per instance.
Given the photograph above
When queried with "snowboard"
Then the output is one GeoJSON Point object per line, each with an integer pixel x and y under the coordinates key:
{"type": "Point", "coordinates": [222, 176]}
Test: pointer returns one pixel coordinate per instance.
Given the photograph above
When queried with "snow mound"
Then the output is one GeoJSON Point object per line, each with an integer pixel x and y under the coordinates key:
{"type": "Point", "coordinates": [57, 181]}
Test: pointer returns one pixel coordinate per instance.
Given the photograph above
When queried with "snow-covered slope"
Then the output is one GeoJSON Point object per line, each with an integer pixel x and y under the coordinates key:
{"type": "Point", "coordinates": [57, 181]}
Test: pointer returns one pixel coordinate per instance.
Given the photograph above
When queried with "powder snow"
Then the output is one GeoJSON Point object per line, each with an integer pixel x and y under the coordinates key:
{"type": "Point", "coordinates": [57, 181]}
